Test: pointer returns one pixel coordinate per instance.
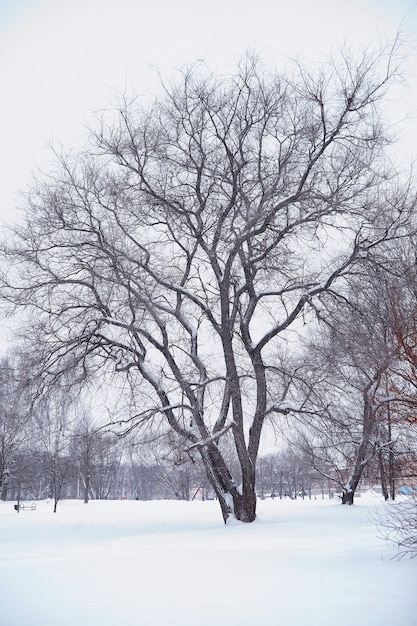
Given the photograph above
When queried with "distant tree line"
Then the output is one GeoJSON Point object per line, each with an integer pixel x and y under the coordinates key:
{"type": "Point", "coordinates": [52, 450]}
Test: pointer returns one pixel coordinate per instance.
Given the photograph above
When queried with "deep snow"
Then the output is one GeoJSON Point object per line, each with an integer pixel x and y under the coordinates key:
{"type": "Point", "coordinates": [125, 563]}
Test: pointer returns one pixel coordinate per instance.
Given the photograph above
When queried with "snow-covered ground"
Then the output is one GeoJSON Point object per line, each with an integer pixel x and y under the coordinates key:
{"type": "Point", "coordinates": [125, 563]}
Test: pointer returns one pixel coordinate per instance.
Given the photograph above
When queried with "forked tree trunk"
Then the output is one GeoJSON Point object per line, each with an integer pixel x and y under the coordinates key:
{"type": "Point", "coordinates": [235, 502]}
{"type": "Point", "coordinates": [347, 496]}
{"type": "Point", "coordinates": [240, 506]}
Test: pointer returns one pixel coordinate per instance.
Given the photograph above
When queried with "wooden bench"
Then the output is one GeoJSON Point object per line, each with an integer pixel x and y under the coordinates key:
{"type": "Point", "coordinates": [25, 507]}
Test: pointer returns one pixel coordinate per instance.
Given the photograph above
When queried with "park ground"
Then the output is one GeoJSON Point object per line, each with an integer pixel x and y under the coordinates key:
{"type": "Point", "coordinates": [132, 563]}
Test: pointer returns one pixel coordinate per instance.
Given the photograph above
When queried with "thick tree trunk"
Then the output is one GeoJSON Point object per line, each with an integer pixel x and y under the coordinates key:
{"type": "Point", "coordinates": [360, 461]}
{"type": "Point", "coordinates": [235, 502]}
{"type": "Point", "coordinates": [349, 489]}
{"type": "Point", "coordinates": [240, 506]}
{"type": "Point", "coordinates": [245, 511]}
{"type": "Point", "coordinates": [347, 496]}
{"type": "Point", "coordinates": [245, 503]}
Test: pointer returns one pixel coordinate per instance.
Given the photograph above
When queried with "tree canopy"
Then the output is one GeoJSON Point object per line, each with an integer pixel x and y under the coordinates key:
{"type": "Point", "coordinates": [181, 247]}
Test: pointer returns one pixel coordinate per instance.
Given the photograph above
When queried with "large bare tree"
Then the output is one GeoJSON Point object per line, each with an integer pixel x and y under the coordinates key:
{"type": "Point", "coordinates": [183, 245]}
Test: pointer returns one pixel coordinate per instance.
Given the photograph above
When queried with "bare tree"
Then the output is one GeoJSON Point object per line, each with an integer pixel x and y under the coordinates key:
{"type": "Point", "coordinates": [183, 245]}
{"type": "Point", "coordinates": [97, 455]}
{"type": "Point", "coordinates": [54, 422]}
{"type": "Point", "coordinates": [179, 473]}
{"type": "Point", "coordinates": [398, 524]}
{"type": "Point", "coordinates": [84, 448]}
{"type": "Point", "coordinates": [14, 421]}
{"type": "Point", "coordinates": [355, 366]}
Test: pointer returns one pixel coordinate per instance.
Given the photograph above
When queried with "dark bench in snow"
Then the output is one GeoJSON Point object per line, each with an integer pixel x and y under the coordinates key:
{"type": "Point", "coordinates": [25, 507]}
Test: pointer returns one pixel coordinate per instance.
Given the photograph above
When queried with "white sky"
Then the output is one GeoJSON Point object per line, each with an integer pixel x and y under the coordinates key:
{"type": "Point", "coordinates": [61, 59]}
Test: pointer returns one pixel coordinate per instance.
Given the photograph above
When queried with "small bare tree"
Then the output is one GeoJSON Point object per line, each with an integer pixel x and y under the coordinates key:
{"type": "Point", "coordinates": [398, 524]}
{"type": "Point", "coordinates": [14, 422]}
{"type": "Point", "coordinates": [53, 419]}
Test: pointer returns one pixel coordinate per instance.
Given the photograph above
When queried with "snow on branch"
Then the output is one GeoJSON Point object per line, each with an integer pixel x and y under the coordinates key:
{"type": "Point", "coordinates": [211, 439]}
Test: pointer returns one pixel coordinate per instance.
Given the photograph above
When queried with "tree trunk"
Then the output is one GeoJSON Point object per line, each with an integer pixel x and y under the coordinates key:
{"type": "Point", "coordinates": [87, 488]}
{"type": "Point", "coordinates": [235, 502]}
{"type": "Point", "coordinates": [347, 496]}
{"type": "Point", "coordinates": [382, 475]}
{"type": "Point", "coordinates": [360, 461]}
{"type": "Point", "coordinates": [391, 463]}
{"type": "Point", "coordinates": [245, 503]}
{"type": "Point", "coordinates": [349, 489]}
{"type": "Point", "coordinates": [4, 485]}
{"type": "Point", "coordinates": [241, 506]}
{"type": "Point", "coordinates": [391, 471]}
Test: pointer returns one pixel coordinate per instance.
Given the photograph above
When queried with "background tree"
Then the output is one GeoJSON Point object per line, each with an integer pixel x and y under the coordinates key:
{"type": "Point", "coordinates": [353, 354]}
{"type": "Point", "coordinates": [83, 448]}
{"type": "Point", "coordinates": [179, 472]}
{"type": "Point", "coordinates": [14, 422]}
{"type": "Point", "coordinates": [183, 245]}
{"type": "Point", "coordinates": [106, 465]}
{"type": "Point", "coordinates": [398, 524]}
{"type": "Point", "coordinates": [98, 456]}
{"type": "Point", "coordinates": [355, 365]}
{"type": "Point", "coordinates": [54, 420]}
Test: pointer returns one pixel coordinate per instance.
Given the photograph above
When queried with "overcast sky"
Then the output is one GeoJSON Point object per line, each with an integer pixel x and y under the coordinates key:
{"type": "Point", "coordinates": [61, 59]}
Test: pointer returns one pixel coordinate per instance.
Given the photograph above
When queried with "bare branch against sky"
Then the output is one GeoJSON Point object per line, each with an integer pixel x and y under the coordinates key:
{"type": "Point", "coordinates": [61, 60]}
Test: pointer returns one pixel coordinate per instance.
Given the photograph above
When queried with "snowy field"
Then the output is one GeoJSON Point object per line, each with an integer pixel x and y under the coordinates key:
{"type": "Point", "coordinates": [125, 563]}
